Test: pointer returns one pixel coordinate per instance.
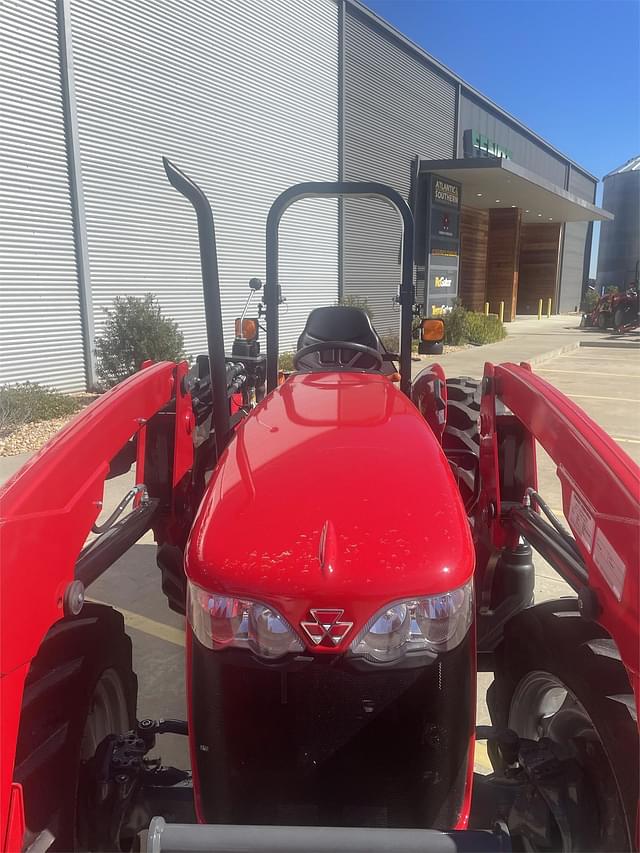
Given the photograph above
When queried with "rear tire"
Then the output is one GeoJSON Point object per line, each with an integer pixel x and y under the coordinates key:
{"type": "Point", "coordinates": [559, 676]}
{"type": "Point", "coordinates": [604, 320]}
{"type": "Point", "coordinates": [623, 317]}
{"type": "Point", "coordinates": [80, 687]}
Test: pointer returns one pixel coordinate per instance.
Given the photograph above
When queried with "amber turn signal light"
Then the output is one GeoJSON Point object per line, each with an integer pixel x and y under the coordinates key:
{"type": "Point", "coordinates": [432, 330]}
{"type": "Point", "coordinates": [247, 329]}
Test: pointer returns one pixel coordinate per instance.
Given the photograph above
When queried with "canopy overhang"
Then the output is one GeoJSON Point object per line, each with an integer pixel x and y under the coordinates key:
{"type": "Point", "coordinates": [495, 182]}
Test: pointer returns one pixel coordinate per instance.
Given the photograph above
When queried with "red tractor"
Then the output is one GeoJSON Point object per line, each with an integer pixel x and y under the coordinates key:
{"type": "Point", "coordinates": [618, 311]}
{"type": "Point", "coordinates": [348, 552]}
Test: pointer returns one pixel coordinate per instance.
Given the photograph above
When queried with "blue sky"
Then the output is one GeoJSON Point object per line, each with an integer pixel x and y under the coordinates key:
{"type": "Point", "coordinates": [569, 69]}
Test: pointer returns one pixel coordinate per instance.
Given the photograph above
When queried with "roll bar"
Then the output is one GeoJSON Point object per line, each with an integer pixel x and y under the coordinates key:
{"type": "Point", "coordinates": [336, 189]}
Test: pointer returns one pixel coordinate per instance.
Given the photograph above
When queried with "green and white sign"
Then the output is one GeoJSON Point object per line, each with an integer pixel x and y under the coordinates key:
{"type": "Point", "coordinates": [477, 144]}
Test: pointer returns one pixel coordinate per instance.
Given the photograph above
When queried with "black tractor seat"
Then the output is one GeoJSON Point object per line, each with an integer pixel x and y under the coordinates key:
{"type": "Point", "coordinates": [341, 323]}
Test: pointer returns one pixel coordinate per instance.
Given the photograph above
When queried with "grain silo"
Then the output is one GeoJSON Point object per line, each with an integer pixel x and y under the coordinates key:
{"type": "Point", "coordinates": [619, 253]}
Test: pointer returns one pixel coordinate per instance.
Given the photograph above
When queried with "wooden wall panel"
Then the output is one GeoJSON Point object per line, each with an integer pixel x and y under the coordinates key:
{"type": "Point", "coordinates": [474, 230]}
{"type": "Point", "coordinates": [539, 244]}
{"type": "Point", "coordinates": [503, 253]}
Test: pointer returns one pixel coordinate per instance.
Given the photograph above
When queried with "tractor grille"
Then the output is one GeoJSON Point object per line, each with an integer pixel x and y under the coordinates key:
{"type": "Point", "coordinates": [316, 742]}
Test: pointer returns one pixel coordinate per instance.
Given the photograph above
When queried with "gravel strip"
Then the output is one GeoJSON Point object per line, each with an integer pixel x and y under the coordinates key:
{"type": "Point", "coordinates": [31, 437]}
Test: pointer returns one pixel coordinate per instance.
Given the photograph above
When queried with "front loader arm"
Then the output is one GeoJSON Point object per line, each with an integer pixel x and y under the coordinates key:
{"type": "Point", "coordinates": [600, 499]}
{"type": "Point", "coordinates": [47, 510]}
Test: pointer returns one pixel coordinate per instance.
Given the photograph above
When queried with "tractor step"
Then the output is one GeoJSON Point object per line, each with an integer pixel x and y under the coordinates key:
{"type": "Point", "coordinates": [163, 837]}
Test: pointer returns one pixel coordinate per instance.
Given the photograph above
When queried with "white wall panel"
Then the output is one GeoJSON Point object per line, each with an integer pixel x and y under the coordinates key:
{"type": "Point", "coordinates": [243, 97]}
{"type": "Point", "coordinates": [40, 326]}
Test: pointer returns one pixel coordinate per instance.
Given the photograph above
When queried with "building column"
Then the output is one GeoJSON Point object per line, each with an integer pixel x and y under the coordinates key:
{"type": "Point", "coordinates": [503, 254]}
{"type": "Point", "coordinates": [472, 278]}
{"type": "Point", "coordinates": [539, 268]}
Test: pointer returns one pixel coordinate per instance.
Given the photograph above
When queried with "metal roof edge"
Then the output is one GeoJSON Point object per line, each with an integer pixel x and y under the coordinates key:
{"type": "Point", "coordinates": [631, 165]}
{"type": "Point", "coordinates": [447, 72]}
{"type": "Point", "coordinates": [470, 163]}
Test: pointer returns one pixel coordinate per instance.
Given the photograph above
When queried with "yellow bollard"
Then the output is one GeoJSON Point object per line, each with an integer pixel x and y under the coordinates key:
{"type": "Point", "coordinates": [539, 309]}
{"type": "Point", "coordinates": [501, 312]}
{"type": "Point", "coordinates": [549, 307]}
{"type": "Point", "coordinates": [486, 309]}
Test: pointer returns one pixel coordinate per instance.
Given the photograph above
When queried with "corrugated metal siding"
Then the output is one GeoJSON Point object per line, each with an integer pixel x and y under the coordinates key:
{"type": "Point", "coordinates": [395, 108]}
{"type": "Point", "coordinates": [582, 186]}
{"type": "Point", "coordinates": [242, 96]}
{"type": "Point", "coordinates": [577, 246]}
{"type": "Point", "coordinates": [40, 327]}
{"type": "Point", "coordinates": [526, 152]}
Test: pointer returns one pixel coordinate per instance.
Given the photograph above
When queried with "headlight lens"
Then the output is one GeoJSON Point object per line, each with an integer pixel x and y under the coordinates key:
{"type": "Point", "coordinates": [221, 622]}
{"type": "Point", "coordinates": [434, 623]}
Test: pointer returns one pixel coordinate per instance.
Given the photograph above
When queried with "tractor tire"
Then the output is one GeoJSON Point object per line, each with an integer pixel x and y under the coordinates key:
{"type": "Point", "coordinates": [80, 688]}
{"type": "Point", "coordinates": [560, 676]}
{"type": "Point", "coordinates": [462, 429]}
{"type": "Point", "coordinates": [604, 320]}
{"type": "Point", "coordinates": [623, 317]}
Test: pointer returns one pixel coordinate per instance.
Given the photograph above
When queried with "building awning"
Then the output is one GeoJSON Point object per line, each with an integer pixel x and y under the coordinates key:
{"type": "Point", "coordinates": [495, 182]}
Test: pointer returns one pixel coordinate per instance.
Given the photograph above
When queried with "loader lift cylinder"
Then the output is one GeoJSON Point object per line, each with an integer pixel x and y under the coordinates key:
{"type": "Point", "coordinates": [336, 189]}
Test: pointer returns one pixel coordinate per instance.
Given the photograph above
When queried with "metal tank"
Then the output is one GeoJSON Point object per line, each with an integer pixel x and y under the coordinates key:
{"type": "Point", "coordinates": [619, 254]}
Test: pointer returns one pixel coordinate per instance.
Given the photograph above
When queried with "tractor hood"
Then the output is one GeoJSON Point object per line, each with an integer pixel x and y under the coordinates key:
{"type": "Point", "coordinates": [333, 493]}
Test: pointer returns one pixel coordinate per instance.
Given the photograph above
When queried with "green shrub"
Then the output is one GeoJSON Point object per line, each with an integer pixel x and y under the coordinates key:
{"type": "Point", "coordinates": [285, 361]}
{"type": "Point", "coordinates": [356, 302]}
{"type": "Point", "coordinates": [589, 301]}
{"type": "Point", "coordinates": [467, 327]}
{"type": "Point", "coordinates": [135, 330]}
{"type": "Point", "coordinates": [455, 329]}
{"type": "Point", "coordinates": [484, 329]}
{"type": "Point", "coordinates": [28, 402]}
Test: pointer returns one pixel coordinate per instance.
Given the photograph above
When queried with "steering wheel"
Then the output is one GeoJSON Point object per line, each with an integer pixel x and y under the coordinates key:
{"type": "Point", "coordinates": [358, 349]}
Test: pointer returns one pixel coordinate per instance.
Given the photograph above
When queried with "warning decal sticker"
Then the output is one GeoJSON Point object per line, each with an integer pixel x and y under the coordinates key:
{"type": "Point", "coordinates": [581, 521]}
{"type": "Point", "coordinates": [610, 563]}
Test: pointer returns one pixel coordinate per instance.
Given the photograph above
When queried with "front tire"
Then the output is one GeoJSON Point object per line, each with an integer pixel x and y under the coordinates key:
{"type": "Point", "coordinates": [560, 676]}
{"type": "Point", "coordinates": [80, 688]}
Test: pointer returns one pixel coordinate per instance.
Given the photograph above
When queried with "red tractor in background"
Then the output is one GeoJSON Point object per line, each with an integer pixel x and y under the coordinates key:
{"type": "Point", "coordinates": [614, 310]}
{"type": "Point", "coordinates": [348, 552]}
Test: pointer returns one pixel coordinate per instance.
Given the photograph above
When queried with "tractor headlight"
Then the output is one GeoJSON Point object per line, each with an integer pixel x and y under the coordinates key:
{"type": "Point", "coordinates": [434, 623]}
{"type": "Point", "coordinates": [221, 622]}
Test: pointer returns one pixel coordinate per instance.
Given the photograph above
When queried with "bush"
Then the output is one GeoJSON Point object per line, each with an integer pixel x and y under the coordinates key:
{"type": "Point", "coordinates": [455, 330]}
{"type": "Point", "coordinates": [28, 402]}
{"type": "Point", "coordinates": [467, 327]}
{"type": "Point", "coordinates": [483, 329]}
{"type": "Point", "coordinates": [135, 330]}
{"type": "Point", "coordinates": [356, 302]}
{"type": "Point", "coordinates": [589, 301]}
{"type": "Point", "coordinates": [285, 362]}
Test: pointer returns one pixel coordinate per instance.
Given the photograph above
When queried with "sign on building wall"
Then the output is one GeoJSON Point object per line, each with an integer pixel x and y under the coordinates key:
{"type": "Point", "coordinates": [476, 144]}
{"type": "Point", "coordinates": [442, 239]}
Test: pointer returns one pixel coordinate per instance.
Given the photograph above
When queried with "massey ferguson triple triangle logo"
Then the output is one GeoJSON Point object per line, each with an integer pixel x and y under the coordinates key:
{"type": "Point", "coordinates": [326, 629]}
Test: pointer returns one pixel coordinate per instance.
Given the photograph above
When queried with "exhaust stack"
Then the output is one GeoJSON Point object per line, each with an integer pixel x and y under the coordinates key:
{"type": "Point", "coordinates": [211, 292]}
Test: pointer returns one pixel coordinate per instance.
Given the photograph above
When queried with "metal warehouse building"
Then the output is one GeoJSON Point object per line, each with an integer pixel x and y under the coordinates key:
{"type": "Point", "coordinates": [249, 98]}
